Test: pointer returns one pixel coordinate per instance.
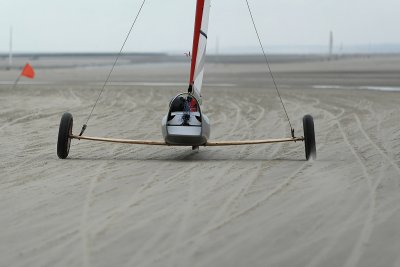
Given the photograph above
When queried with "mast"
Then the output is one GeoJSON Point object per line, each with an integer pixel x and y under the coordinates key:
{"type": "Point", "coordinates": [199, 47]}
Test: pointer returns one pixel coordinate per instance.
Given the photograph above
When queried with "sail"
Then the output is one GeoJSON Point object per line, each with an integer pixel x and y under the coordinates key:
{"type": "Point", "coordinates": [199, 47]}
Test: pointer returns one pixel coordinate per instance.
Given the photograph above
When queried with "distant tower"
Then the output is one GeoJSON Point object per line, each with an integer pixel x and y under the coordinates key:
{"type": "Point", "coordinates": [10, 55]}
{"type": "Point", "coordinates": [330, 45]}
{"type": "Point", "coordinates": [217, 46]}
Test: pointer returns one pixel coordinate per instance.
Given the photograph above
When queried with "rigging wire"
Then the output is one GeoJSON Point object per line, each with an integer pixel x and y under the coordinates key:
{"type": "Point", "coordinates": [112, 69]}
{"type": "Point", "coordinates": [269, 67]}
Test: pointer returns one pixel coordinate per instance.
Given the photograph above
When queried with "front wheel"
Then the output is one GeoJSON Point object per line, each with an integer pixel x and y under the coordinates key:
{"type": "Point", "coordinates": [64, 135]}
{"type": "Point", "coordinates": [309, 137]}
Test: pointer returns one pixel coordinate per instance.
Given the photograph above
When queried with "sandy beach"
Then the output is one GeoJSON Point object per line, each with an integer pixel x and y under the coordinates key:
{"type": "Point", "coordinates": [259, 205]}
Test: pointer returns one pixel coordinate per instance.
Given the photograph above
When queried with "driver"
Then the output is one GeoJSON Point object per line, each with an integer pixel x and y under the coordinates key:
{"type": "Point", "coordinates": [192, 103]}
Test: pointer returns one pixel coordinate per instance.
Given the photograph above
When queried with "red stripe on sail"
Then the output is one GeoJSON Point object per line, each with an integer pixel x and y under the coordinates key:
{"type": "Point", "coordinates": [196, 37]}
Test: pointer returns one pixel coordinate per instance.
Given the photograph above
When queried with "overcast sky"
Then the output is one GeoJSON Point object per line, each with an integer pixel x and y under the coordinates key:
{"type": "Point", "coordinates": [167, 26]}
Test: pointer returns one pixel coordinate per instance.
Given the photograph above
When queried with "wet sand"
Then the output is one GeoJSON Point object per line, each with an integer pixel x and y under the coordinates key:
{"type": "Point", "coordinates": [262, 205]}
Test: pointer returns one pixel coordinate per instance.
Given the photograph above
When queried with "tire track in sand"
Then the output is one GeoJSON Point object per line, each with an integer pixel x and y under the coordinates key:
{"type": "Point", "coordinates": [279, 188]}
{"type": "Point", "coordinates": [84, 229]}
{"type": "Point", "coordinates": [243, 189]}
{"type": "Point", "coordinates": [367, 228]}
{"type": "Point", "coordinates": [151, 186]}
{"type": "Point", "coordinates": [380, 151]}
{"type": "Point", "coordinates": [368, 224]}
{"type": "Point", "coordinates": [321, 255]}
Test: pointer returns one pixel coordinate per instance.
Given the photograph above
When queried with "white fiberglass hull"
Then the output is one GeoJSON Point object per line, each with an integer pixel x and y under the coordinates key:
{"type": "Point", "coordinates": [195, 133]}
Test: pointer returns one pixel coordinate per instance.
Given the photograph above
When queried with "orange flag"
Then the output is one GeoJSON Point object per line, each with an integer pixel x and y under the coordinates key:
{"type": "Point", "coordinates": [28, 71]}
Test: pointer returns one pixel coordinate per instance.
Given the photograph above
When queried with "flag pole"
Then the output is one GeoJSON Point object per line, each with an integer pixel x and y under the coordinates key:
{"type": "Point", "coordinates": [16, 81]}
{"type": "Point", "coordinates": [27, 71]}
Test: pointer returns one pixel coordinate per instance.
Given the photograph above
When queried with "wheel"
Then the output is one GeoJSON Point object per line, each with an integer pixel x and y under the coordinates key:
{"type": "Point", "coordinates": [309, 137]}
{"type": "Point", "coordinates": [64, 133]}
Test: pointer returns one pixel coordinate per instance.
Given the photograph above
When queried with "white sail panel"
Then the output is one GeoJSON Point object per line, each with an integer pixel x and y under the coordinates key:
{"type": "Point", "coordinates": [200, 46]}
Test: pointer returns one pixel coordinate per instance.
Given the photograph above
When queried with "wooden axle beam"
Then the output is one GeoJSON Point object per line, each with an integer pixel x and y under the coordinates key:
{"type": "Point", "coordinates": [212, 143]}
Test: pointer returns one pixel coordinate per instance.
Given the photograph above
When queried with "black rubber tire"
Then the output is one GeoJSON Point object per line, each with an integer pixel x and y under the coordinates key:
{"type": "Point", "coordinates": [309, 137]}
{"type": "Point", "coordinates": [64, 133]}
